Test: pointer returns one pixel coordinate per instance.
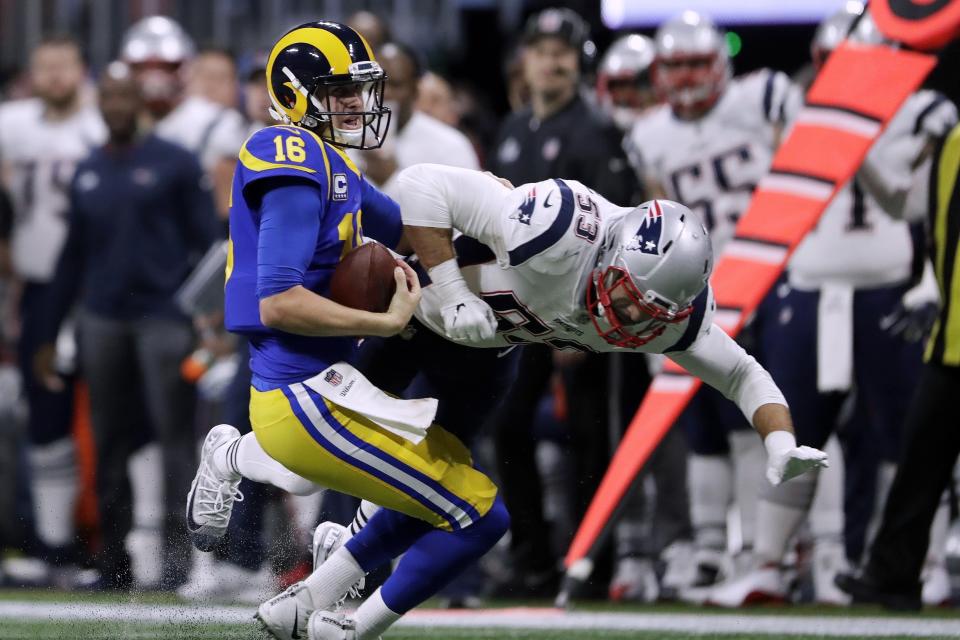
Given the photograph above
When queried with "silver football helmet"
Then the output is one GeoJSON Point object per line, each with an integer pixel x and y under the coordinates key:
{"type": "Point", "coordinates": [624, 87]}
{"type": "Point", "coordinates": [833, 30]}
{"type": "Point", "coordinates": [692, 65]}
{"type": "Point", "coordinates": [657, 257]}
{"type": "Point", "coordinates": [156, 39]}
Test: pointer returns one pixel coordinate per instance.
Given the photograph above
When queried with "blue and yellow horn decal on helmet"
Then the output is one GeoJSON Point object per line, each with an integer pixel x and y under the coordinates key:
{"type": "Point", "coordinates": [323, 76]}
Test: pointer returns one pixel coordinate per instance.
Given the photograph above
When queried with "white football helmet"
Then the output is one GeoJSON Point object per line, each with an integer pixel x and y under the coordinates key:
{"type": "Point", "coordinates": [156, 48]}
{"type": "Point", "coordinates": [156, 39]}
{"type": "Point", "coordinates": [832, 31]}
{"type": "Point", "coordinates": [624, 88]}
{"type": "Point", "coordinates": [692, 66]}
{"type": "Point", "coordinates": [660, 255]}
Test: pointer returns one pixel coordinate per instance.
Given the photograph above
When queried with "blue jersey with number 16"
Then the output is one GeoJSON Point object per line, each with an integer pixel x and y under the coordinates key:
{"type": "Point", "coordinates": [271, 158]}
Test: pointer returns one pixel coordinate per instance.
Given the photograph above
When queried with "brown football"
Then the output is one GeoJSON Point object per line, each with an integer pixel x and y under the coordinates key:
{"type": "Point", "coordinates": [364, 278]}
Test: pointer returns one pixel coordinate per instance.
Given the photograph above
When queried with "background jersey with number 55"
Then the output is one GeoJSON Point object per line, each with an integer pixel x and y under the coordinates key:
{"type": "Point", "coordinates": [712, 164]}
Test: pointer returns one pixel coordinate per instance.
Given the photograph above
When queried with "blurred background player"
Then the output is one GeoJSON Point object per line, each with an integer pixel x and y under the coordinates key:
{"type": "Point", "coordinates": [707, 147]}
{"type": "Point", "coordinates": [435, 98]}
{"type": "Point", "coordinates": [162, 57]}
{"type": "Point", "coordinates": [140, 215]}
{"type": "Point", "coordinates": [845, 280]}
{"type": "Point", "coordinates": [160, 53]}
{"type": "Point", "coordinates": [624, 84]}
{"type": "Point", "coordinates": [41, 141]}
{"type": "Point", "coordinates": [416, 137]}
{"type": "Point", "coordinates": [900, 569]}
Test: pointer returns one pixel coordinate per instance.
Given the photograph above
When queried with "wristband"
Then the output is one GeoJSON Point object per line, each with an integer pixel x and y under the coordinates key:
{"type": "Point", "coordinates": [779, 442]}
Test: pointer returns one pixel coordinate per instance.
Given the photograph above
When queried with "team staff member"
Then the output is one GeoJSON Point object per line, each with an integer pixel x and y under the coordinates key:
{"type": "Point", "coordinates": [140, 214]}
{"type": "Point", "coordinates": [557, 134]}
{"type": "Point", "coordinates": [891, 574]}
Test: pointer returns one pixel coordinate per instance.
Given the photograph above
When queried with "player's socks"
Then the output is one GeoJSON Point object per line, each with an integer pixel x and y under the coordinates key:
{"type": "Point", "coordinates": [245, 457]}
{"type": "Point", "coordinates": [432, 557]}
{"type": "Point", "coordinates": [364, 512]}
{"type": "Point", "coordinates": [780, 512]}
{"type": "Point", "coordinates": [826, 511]}
{"type": "Point", "coordinates": [333, 578]}
{"type": "Point", "coordinates": [53, 482]}
{"type": "Point", "coordinates": [374, 617]}
{"type": "Point", "coordinates": [439, 556]}
{"type": "Point", "coordinates": [710, 479]}
{"type": "Point", "coordinates": [144, 543]}
{"type": "Point", "coordinates": [939, 531]}
{"type": "Point", "coordinates": [749, 464]}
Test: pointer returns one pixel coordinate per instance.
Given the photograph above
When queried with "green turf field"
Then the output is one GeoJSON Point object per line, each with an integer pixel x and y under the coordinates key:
{"type": "Point", "coordinates": [42, 615]}
{"type": "Point", "coordinates": [11, 630]}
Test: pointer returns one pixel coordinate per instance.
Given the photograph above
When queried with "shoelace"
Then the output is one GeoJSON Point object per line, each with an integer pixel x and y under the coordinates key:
{"type": "Point", "coordinates": [225, 494]}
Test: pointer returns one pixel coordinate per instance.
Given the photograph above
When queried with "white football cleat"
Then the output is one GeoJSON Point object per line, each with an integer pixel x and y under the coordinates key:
{"type": "Point", "coordinates": [221, 581]}
{"type": "Point", "coordinates": [211, 497]}
{"type": "Point", "coordinates": [829, 559]}
{"type": "Point", "coordinates": [329, 625]}
{"type": "Point", "coordinates": [285, 615]}
{"type": "Point", "coordinates": [695, 578]}
{"type": "Point", "coordinates": [936, 586]}
{"type": "Point", "coordinates": [327, 538]}
{"type": "Point", "coordinates": [634, 580]}
{"type": "Point", "coordinates": [763, 584]}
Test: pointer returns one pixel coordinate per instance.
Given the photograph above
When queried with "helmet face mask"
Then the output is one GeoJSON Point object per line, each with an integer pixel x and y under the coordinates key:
{"type": "Point", "coordinates": [656, 261]}
{"type": "Point", "coordinates": [692, 84]}
{"type": "Point", "coordinates": [322, 76]}
{"type": "Point", "coordinates": [610, 315]}
{"type": "Point", "coordinates": [624, 84]}
{"type": "Point", "coordinates": [692, 67]}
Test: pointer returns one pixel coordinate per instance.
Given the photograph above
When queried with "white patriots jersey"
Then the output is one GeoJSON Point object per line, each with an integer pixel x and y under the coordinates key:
{"type": "Point", "coordinates": [39, 157]}
{"type": "Point", "coordinates": [210, 130]}
{"type": "Point", "coordinates": [535, 276]}
{"type": "Point", "coordinates": [856, 242]}
{"type": "Point", "coordinates": [713, 164]}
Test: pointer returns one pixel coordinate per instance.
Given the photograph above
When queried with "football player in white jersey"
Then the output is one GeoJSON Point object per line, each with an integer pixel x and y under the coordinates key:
{"type": "Point", "coordinates": [158, 50]}
{"type": "Point", "coordinates": [624, 87]}
{"type": "Point", "coordinates": [707, 146]}
{"type": "Point", "coordinates": [41, 141]}
{"type": "Point", "coordinates": [555, 263]}
{"type": "Point", "coordinates": [844, 285]}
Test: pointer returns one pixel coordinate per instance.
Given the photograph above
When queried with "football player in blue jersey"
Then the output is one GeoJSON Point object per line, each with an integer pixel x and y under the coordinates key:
{"type": "Point", "coordinates": [298, 205]}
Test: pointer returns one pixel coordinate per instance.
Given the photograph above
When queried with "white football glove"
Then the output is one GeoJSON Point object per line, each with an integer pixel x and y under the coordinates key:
{"type": "Point", "coordinates": [466, 318]}
{"type": "Point", "coordinates": [785, 460]}
{"type": "Point", "coordinates": [469, 320]}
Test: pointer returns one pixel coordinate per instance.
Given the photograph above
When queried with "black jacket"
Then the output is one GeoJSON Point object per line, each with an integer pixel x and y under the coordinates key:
{"type": "Point", "coordinates": [574, 143]}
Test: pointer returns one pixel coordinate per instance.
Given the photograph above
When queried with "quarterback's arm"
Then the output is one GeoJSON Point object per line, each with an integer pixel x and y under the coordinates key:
{"type": "Point", "coordinates": [289, 225]}
{"type": "Point", "coordinates": [381, 217]}
{"type": "Point", "coordinates": [723, 364]}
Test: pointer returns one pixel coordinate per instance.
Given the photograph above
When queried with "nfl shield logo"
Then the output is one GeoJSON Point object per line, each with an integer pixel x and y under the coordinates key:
{"type": "Point", "coordinates": [333, 377]}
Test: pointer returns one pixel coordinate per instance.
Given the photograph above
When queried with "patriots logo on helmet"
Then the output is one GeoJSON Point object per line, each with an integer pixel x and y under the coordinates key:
{"type": "Point", "coordinates": [333, 377]}
{"type": "Point", "coordinates": [525, 212]}
{"type": "Point", "coordinates": [647, 237]}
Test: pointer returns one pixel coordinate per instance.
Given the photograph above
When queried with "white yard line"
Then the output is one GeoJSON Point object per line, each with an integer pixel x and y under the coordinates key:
{"type": "Point", "coordinates": [516, 618]}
